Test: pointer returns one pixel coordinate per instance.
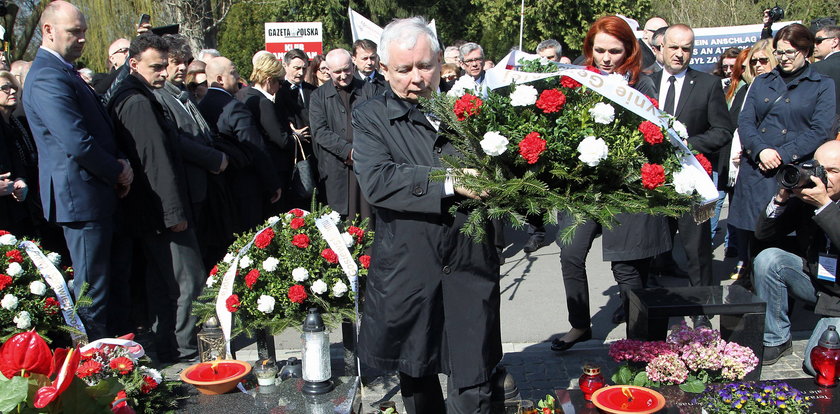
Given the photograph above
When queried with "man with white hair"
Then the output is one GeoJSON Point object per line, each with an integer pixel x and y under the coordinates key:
{"type": "Point", "coordinates": [206, 54]}
{"type": "Point", "coordinates": [550, 49]}
{"type": "Point", "coordinates": [432, 298]}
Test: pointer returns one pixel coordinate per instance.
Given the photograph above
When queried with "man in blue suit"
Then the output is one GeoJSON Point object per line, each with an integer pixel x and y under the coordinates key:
{"type": "Point", "coordinates": [80, 169]}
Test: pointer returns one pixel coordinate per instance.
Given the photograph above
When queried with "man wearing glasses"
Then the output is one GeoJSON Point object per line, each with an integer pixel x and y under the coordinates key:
{"type": "Point", "coordinates": [117, 54]}
{"type": "Point", "coordinates": [826, 50]}
{"type": "Point", "coordinates": [649, 52]}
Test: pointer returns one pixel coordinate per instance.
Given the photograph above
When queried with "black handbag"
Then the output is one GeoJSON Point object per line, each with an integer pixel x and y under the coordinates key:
{"type": "Point", "coordinates": [303, 174]}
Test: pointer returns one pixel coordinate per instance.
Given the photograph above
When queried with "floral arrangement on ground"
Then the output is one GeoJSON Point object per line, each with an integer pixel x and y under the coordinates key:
{"type": "Point", "coordinates": [555, 145]}
{"type": "Point", "coordinates": [26, 302]}
{"type": "Point", "coordinates": [288, 269]}
{"type": "Point", "coordinates": [98, 378]}
{"type": "Point", "coordinates": [689, 357]}
{"type": "Point", "coordinates": [770, 397]}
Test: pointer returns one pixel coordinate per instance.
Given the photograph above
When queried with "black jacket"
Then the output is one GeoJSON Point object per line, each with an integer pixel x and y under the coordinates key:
{"type": "Point", "coordinates": [432, 298]}
{"type": "Point", "coordinates": [812, 235]}
{"type": "Point", "coordinates": [157, 199]}
{"type": "Point", "coordinates": [831, 67]}
{"type": "Point", "coordinates": [378, 80]}
{"type": "Point", "coordinates": [273, 123]}
{"type": "Point", "coordinates": [290, 101]}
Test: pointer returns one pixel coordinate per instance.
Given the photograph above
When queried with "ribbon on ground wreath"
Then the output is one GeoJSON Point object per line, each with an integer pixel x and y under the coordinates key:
{"type": "Point", "coordinates": [55, 280]}
{"type": "Point", "coordinates": [621, 94]}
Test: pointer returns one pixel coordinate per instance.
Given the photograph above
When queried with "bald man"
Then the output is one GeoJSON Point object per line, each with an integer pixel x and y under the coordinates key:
{"type": "Point", "coordinates": [811, 210]}
{"type": "Point", "coordinates": [330, 109]}
{"type": "Point", "coordinates": [648, 52]}
{"type": "Point", "coordinates": [252, 180]}
{"type": "Point", "coordinates": [81, 171]}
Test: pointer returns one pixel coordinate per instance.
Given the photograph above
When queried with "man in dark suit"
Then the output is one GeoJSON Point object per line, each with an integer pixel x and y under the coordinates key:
{"type": "Point", "coordinates": [330, 115]}
{"type": "Point", "coordinates": [81, 170]}
{"type": "Point", "coordinates": [251, 178]}
{"type": "Point", "coordinates": [696, 100]}
{"type": "Point", "coordinates": [646, 42]}
{"type": "Point", "coordinates": [807, 272]}
{"type": "Point", "coordinates": [827, 49]}
{"type": "Point", "coordinates": [367, 62]}
{"type": "Point", "coordinates": [294, 92]}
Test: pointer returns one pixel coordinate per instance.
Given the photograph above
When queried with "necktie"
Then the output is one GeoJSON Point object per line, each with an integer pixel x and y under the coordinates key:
{"type": "Point", "coordinates": [671, 96]}
{"type": "Point", "coordinates": [184, 97]}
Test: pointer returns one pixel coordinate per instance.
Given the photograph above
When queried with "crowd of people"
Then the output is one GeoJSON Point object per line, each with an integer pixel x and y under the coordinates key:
{"type": "Point", "coordinates": [142, 176]}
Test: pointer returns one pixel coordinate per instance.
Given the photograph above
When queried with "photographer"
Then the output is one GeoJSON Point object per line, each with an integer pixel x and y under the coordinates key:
{"type": "Point", "coordinates": [786, 116]}
{"type": "Point", "coordinates": [808, 271]}
{"type": "Point", "coordinates": [771, 16]}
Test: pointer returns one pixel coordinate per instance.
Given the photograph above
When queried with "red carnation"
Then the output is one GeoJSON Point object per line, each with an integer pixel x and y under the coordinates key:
{"type": "Point", "coordinates": [468, 105]}
{"type": "Point", "coordinates": [531, 147]}
{"type": "Point", "coordinates": [251, 278]}
{"type": "Point", "coordinates": [89, 368]}
{"type": "Point", "coordinates": [264, 238]}
{"type": "Point", "coordinates": [232, 303]}
{"type": "Point", "coordinates": [653, 101]}
{"type": "Point", "coordinates": [357, 232]}
{"type": "Point", "coordinates": [301, 240]}
{"type": "Point", "coordinates": [297, 294]}
{"type": "Point", "coordinates": [329, 255]}
{"type": "Point", "coordinates": [653, 175]}
{"type": "Point", "coordinates": [149, 384]}
{"type": "Point", "coordinates": [297, 223]}
{"type": "Point", "coordinates": [296, 212]}
{"type": "Point", "coordinates": [364, 260]}
{"type": "Point", "coordinates": [570, 83]}
{"type": "Point", "coordinates": [122, 365]}
{"type": "Point", "coordinates": [214, 271]}
{"type": "Point", "coordinates": [3, 232]}
{"type": "Point", "coordinates": [593, 69]}
{"type": "Point", "coordinates": [652, 132]}
{"type": "Point", "coordinates": [51, 306]}
{"type": "Point", "coordinates": [551, 100]}
{"type": "Point", "coordinates": [5, 280]}
{"type": "Point", "coordinates": [704, 162]}
{"type": "Point", "coordinates": [14, 256]}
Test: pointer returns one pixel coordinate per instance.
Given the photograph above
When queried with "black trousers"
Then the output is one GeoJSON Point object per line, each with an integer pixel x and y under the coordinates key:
{"type": "Point", "coordinates": [697, 241]}
{"type": "Point", "coordinates": [629, 274]}
{"type": "Point", "coordinates": [423, 395]}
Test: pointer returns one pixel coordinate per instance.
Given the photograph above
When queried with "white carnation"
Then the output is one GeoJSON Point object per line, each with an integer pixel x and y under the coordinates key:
{"type": "Point", "coordinates": [544, 60]}
{"type": "Point", "coordinates": [55, 258]}
{"type": "Point", "coordinates": [319, 287]}
{"type": "Point", "coordinates": [602, 113]}
{"type": "Point", "coordinates": [616, 79]}
{"type": "Point", "coordinates": [592, 151]}
{"type": "Point", "coordinates": [38, 288]}
{"type": "Point", "coordinates": [9, 302]}
{"type": "Point", "coordinates": [460, 87]}
{"type": "Point", "coordinates": [228, 258]}
{"type": "Point", "coordinates": [14, 269]}
{"type": "Point", "coordinates": [300, 274]}
{"type": "Point", "coordinates": [23, 320]}
{"type": "Point", "coordinates": [685, 180]}
{"type": "Point", "coordinates": [270, 264]}
{"type": "Point", "coordinates": [679, 128]}
{"type": "Point", "coordinates": [265, 304]}
{"type": "Point", "coordinates": [245, 262]}
{"type": "Point", "coordinates": [335, 217]}
{"type": "Point", "coordinates": [523, 95]}
{"type": "Point", "coordinates": [494, 143]}
{"type": "Point", "coordinates": [339, 289]}
{"type": "Point", "coordinates": [211, 281]}
{"type": "Point", "coordinates": [348, 239]}
{"type": "Point", "coordinates": [153, 373]}
{"type": "Point", "coordinates": [70, 284]}
{"type": "Point", "coordinates": [273, 220]}
{"type": "Point", "coordinates": [8, 239]}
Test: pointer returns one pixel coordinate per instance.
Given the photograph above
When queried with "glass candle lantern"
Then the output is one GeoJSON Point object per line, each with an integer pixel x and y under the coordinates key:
{"type": "Point", "coordinates": [316, 355]}
{"type": "Point", "coordinates": [211, 341]}
{"type": "Point", "coordinates": [825, 357]}
{"type": "Point", "coordinates": [266, 371]}
{"type": "Point", "coordinates": [591, 380]}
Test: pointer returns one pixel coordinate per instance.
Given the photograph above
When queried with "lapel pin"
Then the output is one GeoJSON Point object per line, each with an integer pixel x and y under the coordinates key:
{"type": "Point", "coordinates": [691, 82]}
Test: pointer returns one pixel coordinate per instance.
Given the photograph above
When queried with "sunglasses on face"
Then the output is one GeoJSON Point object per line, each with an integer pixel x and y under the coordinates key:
{"type": "Point", "coordinates": [122, 50]}
{"type": "Point", "coordinates": [8, 87]}
{"type": "Point", "coordinates": [818, 40]}
{"type": "Point", "coordinates": [197, 84]}
{"type": "Point", "coordinates": [763, 61]}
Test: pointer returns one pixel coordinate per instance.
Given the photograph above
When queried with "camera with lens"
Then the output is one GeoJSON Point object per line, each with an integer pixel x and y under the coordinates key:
{"type": "Point", "coordinates": [776, 13]}
{"type": "Point", "coordinates": [792, 176]}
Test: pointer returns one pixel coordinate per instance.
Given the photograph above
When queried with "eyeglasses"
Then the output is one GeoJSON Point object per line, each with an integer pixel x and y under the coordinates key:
{"type": "Point", "coordinates": [818, 40]}
{"type": "Point", "coordinates": [475, 60]}
{"type": "Point", "coordinates": [449, 77]}
{"type": "Point", "coordinates": [763, 61]}
{"type": "Point", "coordinates": [790, 53]}
{"type": "Point", "coordinates": [197, 84]}
{"type": "Point", "coordinates": [8, 87]}
{"type": "Point", "coordinates": [121, 50]}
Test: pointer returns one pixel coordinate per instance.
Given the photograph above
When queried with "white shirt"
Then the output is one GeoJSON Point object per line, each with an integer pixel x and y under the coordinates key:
{"type": "Point", "coordinates": [54, 53]}
{"type": "Point", "coordinates": [664, 85]}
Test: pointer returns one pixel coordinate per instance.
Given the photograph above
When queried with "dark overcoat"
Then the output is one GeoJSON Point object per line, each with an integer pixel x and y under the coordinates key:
{"type": "Point", "coordinates": [793, 119]}
{"type": "Point", "coordinates": [432, 298]}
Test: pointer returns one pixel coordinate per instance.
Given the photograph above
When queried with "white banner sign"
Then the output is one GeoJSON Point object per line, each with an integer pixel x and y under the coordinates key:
{"type": "Point", "coordinates": [283, 37]}
{"type": "Point", "coordinates": [362, 28]}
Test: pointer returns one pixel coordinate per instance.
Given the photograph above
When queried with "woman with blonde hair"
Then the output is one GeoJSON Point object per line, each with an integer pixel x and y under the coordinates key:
{"type": "Point", "coordinates": [761, 60]}
{"type": "Point", "coordinates": [273, 125]}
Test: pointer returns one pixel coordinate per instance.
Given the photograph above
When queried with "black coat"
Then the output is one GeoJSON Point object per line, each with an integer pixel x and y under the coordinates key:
{"type": "Point", "coordinates": [328, 118]}
{"type": "Point", "coordinates": [378, 80]}
{"type": "Point", "coordinates": [811, 232]}
{"type": "Point", "coordinates": [14, 216]}
{"type": "Point", "coordinates": [273, 123]}
{"type": "Point", "coordinates": [250, 172]}
{"type": "Point", "coordinates": [830, 66]}
{"type": "Point", "coordinates": [290, 101]}
{"type": "Point", "coordinates": [432, 295]}
{"type": "Point", "coordinates": [157, 199]}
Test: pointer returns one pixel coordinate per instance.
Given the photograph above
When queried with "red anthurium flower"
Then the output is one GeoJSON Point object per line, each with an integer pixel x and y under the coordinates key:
{"type": "Point", "coordinates": [47, 394]}
{"type": "Point", "coordinates": [25, 353]}
{"type": "Point", "coordinates": [120, 405]}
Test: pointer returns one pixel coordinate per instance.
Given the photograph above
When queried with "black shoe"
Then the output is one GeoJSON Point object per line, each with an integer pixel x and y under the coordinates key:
{"type": "Point", "coordinates": [701, 321]}
{"type": "Point", "coordinates": [501, 256]}
{"type": "Point", "coordinates": [730, 252]}
{"type": "Point", "coordinates": [534, 243]}
{"type": "Point", "coordinates": [559, 346]}
{"type": "Point", "coordinates": [772, 354]}
{"type": "Point", "coordinates": [619, 317]}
